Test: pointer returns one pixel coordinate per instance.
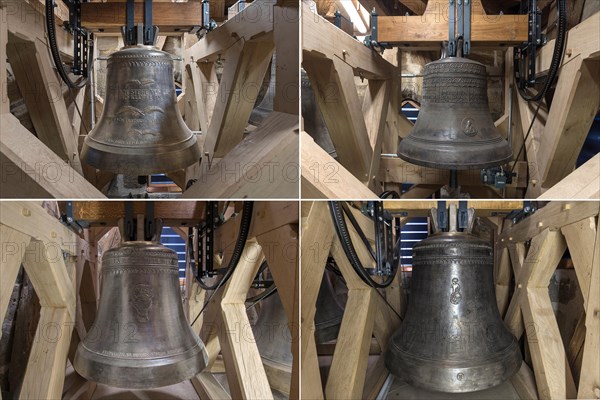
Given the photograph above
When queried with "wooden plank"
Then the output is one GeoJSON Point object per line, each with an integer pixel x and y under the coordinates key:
{"type": "Point", "coordinates": [337, 97]}
{"type": "Point", "coordinates": [32, 220]}
{"type": "Point", "coordinates": [207, 387]}
{"type": "Point", "coordinates": [524, 383]}
{"type": "Point", "coordinates": [45, 373]}
{"type": "Point", "coordinates": [280, 247]}
{"type": "Point", "coordinates": [41, 90]}
{"type": "Point", "coordinates": [4, 100]}
{"type": "Point", "coordinates": [395, 169]}
{"type": "Point", "coordinates": [375, 109]}
{"type": "Point", "coordinates": [109, 212]}
{"type": "Point", "coordinates": [324, 178]}
{"type": "Point", "coordinates": [582, 183]}
{"type": "Point", "coordinates": [365, 62]}
{"type": "Point", "coordinates": [581, 239]}
{"type": "Point", "coordinates": [169, 17]}
{"type": "Point", "coordinates": [482, 207]}
{"type": "Point", "coordinates": [263, 165]}
{"type": "Point", "coordinates": [582, 41]}
{"type": "Point", "coordinates": [317, 237]}
{"type": "Point", "coordinates": [14, 244]}
{"type": "Point", "coordinates": [545, 252]}
{"type": "Point", "coordinates": [286, 32]}
{"type": "Point", "coordinates": [590, 369]}
{"type": "Point", "coordinates": [29, 169]}
{"type": "Point", "coordinates": [576, 102]}
{"type": "Point", "coordinates": [552, 372]}
{"type": "Point", "coordinates": [26, 21]}
{"type": "Point", "coordinates": [206, 87]}
{"type": "Point", "coordinates": [554, 215]}
{"type": "Point", "coordinates": [43, 261]}
{"type": "Point", "coordinates": [252, 23]}
{"type": "Point", "coordinates": [245, 373]}
{"type": "Point", "coordinates": [245, 66]}
{"type": "Point", "coordinates": [487, 31]}
{"type": "Point", "coordinates": [349, 365]}
{"type": "Point", "coordinates": [190, 114]}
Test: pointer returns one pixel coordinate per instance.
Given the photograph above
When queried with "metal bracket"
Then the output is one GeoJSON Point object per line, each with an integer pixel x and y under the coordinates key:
{"type": "Point", "coordinates": [149, 222]}
{"type": "Point", "coordinates": [459, 26]}
{"type": "Point", "coordinates": [206, 244]}
{"type": "Point", "coordinates": [451, 28]}
{"type": "Point", "coordinates": [442, 215]}
{"type": "Point", "coordinates": [463, 215]}
{"type": "Point", "coordinates": [371, 40]}
{"type": "Point", "coordinates": [141, 34]}
{"type": "Point", "coordinates": [466, 23]}
{"type": "Point", "coordinates": [130, 223]}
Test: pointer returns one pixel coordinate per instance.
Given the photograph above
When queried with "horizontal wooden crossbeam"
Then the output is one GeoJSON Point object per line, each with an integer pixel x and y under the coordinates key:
{"type": "Point", "coordinates": [322, 39]}
{"type": "Point", "coordinates": [482, 207]}
{"type": "Point", "coordinates": [420, 31]}
{"type": "Point", "coordinates": [109, 212]}
{"type": "Point", "coordinates": [169, 17]}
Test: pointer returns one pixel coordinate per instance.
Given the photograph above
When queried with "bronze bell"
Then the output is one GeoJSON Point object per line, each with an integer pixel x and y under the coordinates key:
{"type": "Point", "coordinates": [140, 338]}
{"type": "Point", "coordinates": [273, 340]}
{"type": "Point", "coordinates": [452, 338]}
{"type": "Point", "coordinates": [454, 129]}
{"type": "Point", "coordinates": [141, 130]}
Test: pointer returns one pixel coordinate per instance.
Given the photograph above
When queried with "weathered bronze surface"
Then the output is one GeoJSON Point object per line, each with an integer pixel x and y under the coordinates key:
{"type": "Point", "coordinates": [454, 129]}
{"type": "Point", "coordinates": [141, 130]}
{"type": "Point", "coordinates": [140, 338]}
{"type": "Point", "coordinates": [452, 338]}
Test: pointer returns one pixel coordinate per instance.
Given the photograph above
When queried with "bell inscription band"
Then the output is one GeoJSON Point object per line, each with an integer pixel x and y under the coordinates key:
{"type": "Point", "coordinates": [140, 338]}
{"type": "Point", "coordinates": [452, 338]}
{"type": "Point", "coordinates": [141, 130]}
{"type": "Point", "coordinates": [454, 129]}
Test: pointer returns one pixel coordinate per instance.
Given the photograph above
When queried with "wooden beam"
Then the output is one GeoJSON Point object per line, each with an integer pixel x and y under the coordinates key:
{"type": "Point", "coordinates": [32, 220]}
{"type": "Point", "coordinates": [524, 383]}
{"type": "Point", "coordinates": [286, 32]}
{"type": "Point", "coordinates": [576, 103]}
{"type": "Point", "coordinates": [317, 234]}
{"type": "Point", "coordinates": [582, 41]}
{"type": "Point", "coordinates": [590, 370]}
{"type": "Point", "coordinates": [554, 215]}
{"type": "Point", "coordinates": [263, 165]}
{"type": "Point", "coordinates": [337, 97]}
{"type": "Point", "coordinates": [324, 178]}
{"type": "Point", "coordinates": [45, 374]}
{"type": "Point", "coordinates": [41, 90]}
{"type": "Point", "coordinates": [169, 17]}
{"type": "Point", "coordinates": [375, 109]}
{"type": "Point", "coordinates": [252, 23]}
{"type": "Point", "coordinates": [482, 207]}
{"type": "Point", "coordinates": [205, 86]}
{"type": "Point", "coordinates": [583, 183]}
{"type": "Point", "coordinates": [581, 239]}
{"type": "Point", "coordinates": [395, 169]}
{"type": "Point", "coordinates": [14, 244]}
{"type": "Point", "coordinates": [108, 213]}
{"type": "Point", "coordinates": [280, 248]}
{"type": "Point", "coordinates": [420, 31]}
{"type": "Point", "coordinates": [29, 169]}
{"type": "Point", "coordinates": [550, 365]}
{"type": "Point", "coordinates": [4, 100]}
{"type": "Point", "coordinates": [245, 373]}
{"type": "Point", "coordinates": [365, 62]}
{"type": "Point", "coordinates": [245, 66]}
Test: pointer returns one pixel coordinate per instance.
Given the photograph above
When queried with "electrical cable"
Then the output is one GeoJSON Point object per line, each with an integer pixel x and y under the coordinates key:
{"type": "Point", "coordinates": [55, 52]}
{"type": "Point", "coordinates": [344, 236]}
{"type": "Point", "coordinates": [525, 138]}
{"type": "Point", "coordinates": [557, 55]}
{"type": "Point", "coordinates": [237, 251]}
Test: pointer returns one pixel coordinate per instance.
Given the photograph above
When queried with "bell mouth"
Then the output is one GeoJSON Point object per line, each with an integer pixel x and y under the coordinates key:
{"type": "Point", "coordinates": [446, 156]}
